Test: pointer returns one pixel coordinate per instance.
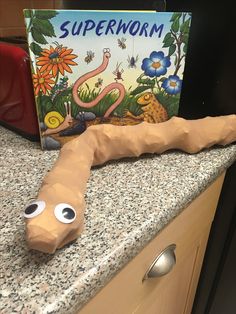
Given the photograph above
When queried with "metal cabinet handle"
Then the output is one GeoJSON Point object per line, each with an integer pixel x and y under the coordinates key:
{"type": "Point", "coordinates": [162, 264]}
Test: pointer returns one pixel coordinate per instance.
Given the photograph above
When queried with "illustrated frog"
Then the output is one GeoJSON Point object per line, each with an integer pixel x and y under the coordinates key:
{"type": "Point", "coordinates": [153, 111]}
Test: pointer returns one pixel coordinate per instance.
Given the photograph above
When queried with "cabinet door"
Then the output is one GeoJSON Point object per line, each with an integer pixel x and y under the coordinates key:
{"type": "Point", "coordinates": [174, 292]}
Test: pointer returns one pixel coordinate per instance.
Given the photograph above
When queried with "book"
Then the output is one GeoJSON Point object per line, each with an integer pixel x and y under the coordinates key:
{"type": "Point", "coordinates": [92, 67]}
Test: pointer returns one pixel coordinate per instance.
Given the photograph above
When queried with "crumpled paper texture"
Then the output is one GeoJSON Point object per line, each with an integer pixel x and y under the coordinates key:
{"type": "Point", "coordinates": [66, 182]}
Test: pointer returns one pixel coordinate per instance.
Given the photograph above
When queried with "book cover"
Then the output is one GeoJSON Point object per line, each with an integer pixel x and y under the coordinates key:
{"type": "Point", "coordinates": [93, 67]}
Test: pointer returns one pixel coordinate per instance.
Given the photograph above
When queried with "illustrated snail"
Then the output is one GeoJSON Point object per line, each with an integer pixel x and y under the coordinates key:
{"type": "Point", "coordinates": [53, 119]}
{"type": "Point", "coordinates": [56, 122]}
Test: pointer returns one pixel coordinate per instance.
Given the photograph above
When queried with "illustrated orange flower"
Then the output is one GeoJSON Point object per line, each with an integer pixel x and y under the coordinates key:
{"type": "Point", "coordinates": [56, 59]}
{"type": "Point", "coordinates": [42, 81]}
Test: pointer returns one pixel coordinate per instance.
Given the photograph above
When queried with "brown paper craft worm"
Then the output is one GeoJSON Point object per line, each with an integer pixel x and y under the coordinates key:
{"type": "Point", "coordinates": [57, 216]}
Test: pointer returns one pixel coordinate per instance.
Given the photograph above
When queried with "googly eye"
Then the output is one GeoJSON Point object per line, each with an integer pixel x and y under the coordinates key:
{"type": "Point", "coordinates": [65, 213]}
{"type": "Point", "coordinates": [34, 209]}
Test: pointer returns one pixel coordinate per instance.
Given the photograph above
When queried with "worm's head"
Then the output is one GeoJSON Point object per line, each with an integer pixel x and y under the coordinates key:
{"type": "Point", "coordinates": [51, 223]}
{"type": "Point", "coordinates": [106, 53]}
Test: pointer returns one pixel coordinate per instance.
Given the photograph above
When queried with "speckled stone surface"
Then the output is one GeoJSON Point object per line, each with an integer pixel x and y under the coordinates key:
{"type": "Point", "coordinates": [128, 203]}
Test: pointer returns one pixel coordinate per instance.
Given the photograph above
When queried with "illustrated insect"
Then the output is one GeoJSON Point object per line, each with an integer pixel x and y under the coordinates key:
{"type": "Point", "coordinates": [57, 51]}
{"type": "Point", "coordinates": [99, 82]}
{"type": "Point", "coordinates": [89, 57]}
{"type": "Point", "coordinates": [121, 43]}
{"type": "Point", "coordinates": [118, 72]}
{"type": "Point", "coordinates": [132, 61]}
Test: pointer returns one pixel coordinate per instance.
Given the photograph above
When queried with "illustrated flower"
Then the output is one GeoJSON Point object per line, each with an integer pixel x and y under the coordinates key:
{"type": "Point", "coordinates": [56, 59]}
{"type": "Point", "coordinates": [156, 64]}
{"type": "Point", "coordinates": [172, 85]}
{"type": "Point", "coordinates": [42, 81]}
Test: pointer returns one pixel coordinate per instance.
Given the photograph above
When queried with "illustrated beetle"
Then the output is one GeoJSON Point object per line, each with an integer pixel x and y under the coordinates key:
{"type": "Point", "coordinates": [89, 57]}
{"type": "Point", "coordinates": [132, 61]}
{"type": "Point", "coordinates": [99, 82]}
{"type": "Point", "coordinates": [118, 72]}
{"type": "Point", "coordinates": [57, 51]}
{"type": "Point", "coordinates": [121, 43]}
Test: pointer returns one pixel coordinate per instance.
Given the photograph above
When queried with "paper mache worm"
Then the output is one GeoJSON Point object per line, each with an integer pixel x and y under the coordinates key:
{"type": "Point", "coordinates": [57, 216]}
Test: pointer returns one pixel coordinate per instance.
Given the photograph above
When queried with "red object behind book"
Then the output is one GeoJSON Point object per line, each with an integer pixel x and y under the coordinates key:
{"type": "Point", "coordinates": [17, 103]}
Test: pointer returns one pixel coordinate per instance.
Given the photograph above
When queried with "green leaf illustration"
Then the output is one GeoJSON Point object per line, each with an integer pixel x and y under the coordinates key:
{"type": "Point", "coordinates": [163, 79]}
{"type": "Point", "coordinates": [167, 36]}
{"type": "Point", "coordinates": [38, 37]}
{"type": "Point", "coordinates": [44, 26]}
{"type": "Point", "coordinates": [36, 49]}
{"type": "Point", "coordinates": [168, 42]}
{"type": "Point", "coordinates": [135, 109]}
{"type": "Point", "coordinates": [27, 13]}
{"type": "Point", "coordinates": [175, 16]}
{"type": "Point", "coordinates": [44, 105]}
{"type": "Point", "coordinates": [184, 28]}
{"type": "Point", "coordinates": [45, 14]}
{"type": "Point", "coordinates": [185, 48]}
{"type": "Point", "coordinates": [175, 26]}
{"type": "Point", "coordinates": [47, 104]}
{"type": "Point", "coordinates": [140, 89]}
{"type": "Point", "coordinates": [172, 50]}
{"type": "Point", "coordinates": [176, 60]}
{"type": "Point", "coordinates": [185, 38]}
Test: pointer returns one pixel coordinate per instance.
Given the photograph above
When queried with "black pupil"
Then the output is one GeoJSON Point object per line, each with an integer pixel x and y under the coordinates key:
{"type": "Point", "coordinates": [68, 213]}
{"type": "Point", "coordinates": [31, 208]}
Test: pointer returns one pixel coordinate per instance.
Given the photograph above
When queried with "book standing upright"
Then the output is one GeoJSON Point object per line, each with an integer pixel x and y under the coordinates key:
{"type": "Point", "coordinates": [93, 67]}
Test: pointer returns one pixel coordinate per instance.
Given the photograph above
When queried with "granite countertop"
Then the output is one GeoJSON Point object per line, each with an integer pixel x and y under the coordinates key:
{"type": "Point", "coordinates": [128, 203]}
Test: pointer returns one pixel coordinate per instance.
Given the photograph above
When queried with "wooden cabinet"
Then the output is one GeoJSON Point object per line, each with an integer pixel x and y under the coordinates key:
{"type": "Point", "coordinates": [12, 18]}
{"type": "Point", "coordinates": [174, 292]}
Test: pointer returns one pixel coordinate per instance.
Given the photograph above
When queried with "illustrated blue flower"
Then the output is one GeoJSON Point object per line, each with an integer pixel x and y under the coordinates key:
{"type": "Point", "coordinates": [172, 85]}
{"type": "Point", "coordinates": [156, 64]}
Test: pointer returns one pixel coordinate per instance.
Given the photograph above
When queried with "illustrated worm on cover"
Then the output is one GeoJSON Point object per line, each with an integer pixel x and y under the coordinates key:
{"type": "Point", "coordinates": [105, 91]}
{"type": "Point", "coordinates": [56, 217]}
